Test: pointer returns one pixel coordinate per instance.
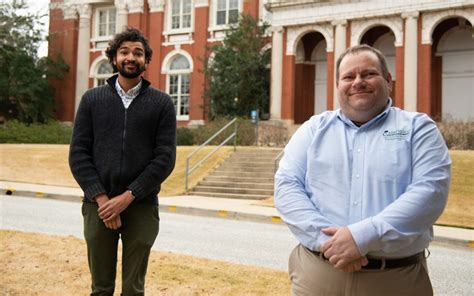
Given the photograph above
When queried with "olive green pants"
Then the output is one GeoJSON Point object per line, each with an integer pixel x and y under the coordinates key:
{"type": "Point", "coordinates": [140, 225]}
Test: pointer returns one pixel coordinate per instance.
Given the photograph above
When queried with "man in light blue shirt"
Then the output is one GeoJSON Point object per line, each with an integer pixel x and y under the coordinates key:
{"type": "Point", "coordinates": [361, 188]}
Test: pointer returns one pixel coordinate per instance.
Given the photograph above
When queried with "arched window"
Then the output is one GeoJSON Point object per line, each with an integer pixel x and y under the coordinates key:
{"type": "Point", "coordinates": [103, 72]}
{"type": "Point", "coordinates": [178, 79]}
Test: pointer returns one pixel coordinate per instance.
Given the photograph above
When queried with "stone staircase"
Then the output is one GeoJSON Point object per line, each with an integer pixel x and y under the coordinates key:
{"type": "Point", "coordinates": [246, 174]}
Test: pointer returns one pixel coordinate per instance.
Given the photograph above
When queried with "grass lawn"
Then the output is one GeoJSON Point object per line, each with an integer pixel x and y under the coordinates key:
{"type": "Point", "coordinates": [47, 164]}
{"type": "Point", "coordinates": [55, 265]}
{"type": "Point", "coordinates": [460, 208]}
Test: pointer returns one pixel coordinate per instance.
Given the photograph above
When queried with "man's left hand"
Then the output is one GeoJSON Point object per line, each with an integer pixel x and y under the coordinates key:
{"type": "Point", "coordinates": [341, 249]}
{"type": "Point", "coordinates": [112, 208]}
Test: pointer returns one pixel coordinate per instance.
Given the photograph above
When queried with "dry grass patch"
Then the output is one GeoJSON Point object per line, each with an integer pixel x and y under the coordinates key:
{"type": "Point", "coordinates": [48, 164]}
{"type": "Point", "coordinates": [460, 208]}
{"type": "Point", "coordinates": [38, 264]}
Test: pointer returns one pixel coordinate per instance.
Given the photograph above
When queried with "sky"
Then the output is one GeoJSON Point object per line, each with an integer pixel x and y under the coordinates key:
{"type": "Point", "coordinates": [42, 8]}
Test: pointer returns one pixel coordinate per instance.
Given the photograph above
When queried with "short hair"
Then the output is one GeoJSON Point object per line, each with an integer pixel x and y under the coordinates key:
{"type": "Point", "coordinates": [361, 48]}
{"type": "Point", "coordinates": [129, 34]}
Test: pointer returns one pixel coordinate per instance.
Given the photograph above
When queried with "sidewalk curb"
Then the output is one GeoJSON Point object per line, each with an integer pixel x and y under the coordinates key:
{"type": "Point", "coordinates": [164, 207]}
{"type": "Point", "coordinates": [224, 214]}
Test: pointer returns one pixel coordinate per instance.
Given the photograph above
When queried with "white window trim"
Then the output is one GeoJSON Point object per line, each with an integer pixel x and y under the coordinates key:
{"type": "Point", "coordinates": [95, 67]}
{"type": "Point", "coordinates": [214, 27]}
{"type": "Point", "coordinates": [165, 69]}
{"type": "Point", "coordinates": [96, 37]}
{"type": "Point", "coordinates": [168, 21]}
{"type": "Point", "coordinates": [179, 72]}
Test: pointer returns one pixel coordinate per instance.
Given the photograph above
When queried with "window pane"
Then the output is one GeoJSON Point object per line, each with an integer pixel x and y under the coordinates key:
{"type": "Point", "coordinates": [112, 13]}
{"type": "Point", "coordinates": [184, 110]}
{"type": "Point", "coordinates": [175, 7]}
{"type": "Point", "coordinates": [102, 30]}
{"type": "Point", "coordinates": [102, 17]}
{"type": "Point", "coordinates": [100, 82]}
{"type": "Point", "coordinates": [105, 68]}
{"type": "Point", "coordinates": [221, 17]}
{"type": "Point", "coordinates": [233, 4]}
{"type": "Point", "coordinates": [221, 5]}
{"type": "Point", "coordinates": [185, 84]}
{"type": "Point", "coordinates": [175, 22]}
{"type": "Point", "coordinates": [175, 102]}
{"type": "Point", "coordinates": [187, 6]}
{"type": "Point", "coordinates": [111, 29]}
{"type": "Point", "coordinates": [187, 21]}
{"type": "Point", "coordinates": [233, 16]}
{"type": "Point", "coordinates": [180, 63]}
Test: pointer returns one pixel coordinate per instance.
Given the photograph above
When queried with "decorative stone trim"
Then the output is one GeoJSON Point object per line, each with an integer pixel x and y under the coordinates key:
{"type": "Point", "coordinates": [84, 11]}
{"type": "Point", "coordinates": [360, 27]}
{"type": "Point", "coordinates": [294, 34]}
{"type": "Point", "coordinates": [135, 6]}
{"type": "Point", "coordinates": [156, 5]}
{"type": "Point", "coordinates": [69, 11]}
{"type": "Point", "coordinates": [201, 3]}
{"type": "Point", "coordinates": [432, 19]}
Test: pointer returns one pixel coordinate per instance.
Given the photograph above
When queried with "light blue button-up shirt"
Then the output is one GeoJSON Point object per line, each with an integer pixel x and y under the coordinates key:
{"type": "Point", "coordinates": [387, 180]}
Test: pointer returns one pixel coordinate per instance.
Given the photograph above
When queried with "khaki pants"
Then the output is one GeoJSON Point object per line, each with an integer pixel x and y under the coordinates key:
{"type": "Point", "coordinates": [311, 275]}
{"type": "Point", "coordinates": [140, 225]}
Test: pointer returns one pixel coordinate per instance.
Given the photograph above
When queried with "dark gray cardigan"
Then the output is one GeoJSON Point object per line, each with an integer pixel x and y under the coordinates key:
{"type": "Point", "coordinates": [114, 149]}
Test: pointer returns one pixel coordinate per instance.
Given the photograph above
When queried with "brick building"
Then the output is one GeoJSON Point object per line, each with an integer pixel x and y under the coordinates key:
{"type": "Point", "coordinates": [429, 45]}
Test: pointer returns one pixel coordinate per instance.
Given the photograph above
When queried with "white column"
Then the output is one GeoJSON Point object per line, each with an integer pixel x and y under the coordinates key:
{"type": "Point", "coordinates": [411, 61]}
{"type": "Point", "coordinates": [122, 15]}
{"type": "Point", "coordinates": [83, 48]}
{"type": "Point", "coordinates": [276, 73]}
{"type": "Point", "coordinates": [339, 47]}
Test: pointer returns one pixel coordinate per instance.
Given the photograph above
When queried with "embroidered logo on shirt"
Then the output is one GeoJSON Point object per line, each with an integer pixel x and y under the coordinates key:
{"type": "Point", "coordinates": [400, 134]}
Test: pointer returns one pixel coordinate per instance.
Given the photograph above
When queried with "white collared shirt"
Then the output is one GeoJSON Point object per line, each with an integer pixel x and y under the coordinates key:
{"type": "Point", "coordinates": [127, 97]}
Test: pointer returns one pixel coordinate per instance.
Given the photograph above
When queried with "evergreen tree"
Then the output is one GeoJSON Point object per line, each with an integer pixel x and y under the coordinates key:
{"type": "Point", "coordinates": [237, 72]}
{"type": "Point", "coordinates": [25, 93]}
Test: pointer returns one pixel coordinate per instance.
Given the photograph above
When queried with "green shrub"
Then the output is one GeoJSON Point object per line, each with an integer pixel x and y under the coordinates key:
{"type": "Point", "coordinates": [184, 137]}
{"type": "Point", "coordinates": [458, 135]}
{"type": "Point", "coordinates": [52, 132]}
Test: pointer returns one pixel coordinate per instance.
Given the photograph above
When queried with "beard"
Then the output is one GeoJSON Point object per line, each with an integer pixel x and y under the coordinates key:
{"type": "Point", "coordinates": [131, 74]}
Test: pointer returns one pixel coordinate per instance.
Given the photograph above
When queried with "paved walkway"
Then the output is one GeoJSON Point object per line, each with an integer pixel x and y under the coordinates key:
{"type": "Point", "coordinates": [239, 209]}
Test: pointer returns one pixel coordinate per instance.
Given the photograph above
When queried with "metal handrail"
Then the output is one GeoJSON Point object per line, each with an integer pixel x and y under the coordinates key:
{"type": "Point", "coordinates": [190, 155]}
{"type": "Point", "coordinates": [277, 158]}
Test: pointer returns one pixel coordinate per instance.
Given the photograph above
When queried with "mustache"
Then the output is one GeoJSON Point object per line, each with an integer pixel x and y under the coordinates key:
{"type": "Point", "coordinates": [129, 63]}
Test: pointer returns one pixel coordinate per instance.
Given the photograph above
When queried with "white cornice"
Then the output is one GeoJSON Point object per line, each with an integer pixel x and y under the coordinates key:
{"type": "Point", "coordinates": [156, 5]}
{"type": "Point", "coordinates": [290, 13]}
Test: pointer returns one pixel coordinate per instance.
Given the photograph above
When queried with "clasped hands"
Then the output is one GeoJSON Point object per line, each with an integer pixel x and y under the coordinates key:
{"type": "Point", "coordinates": [341, 250]}
{"type": "Point", "coordinates": [110, 208]}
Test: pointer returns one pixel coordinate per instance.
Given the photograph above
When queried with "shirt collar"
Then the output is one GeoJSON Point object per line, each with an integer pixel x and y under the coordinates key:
{"type": "Point", "coordinates": [349, 122]}
{"type": "Point", "coordinates": [133, 92]}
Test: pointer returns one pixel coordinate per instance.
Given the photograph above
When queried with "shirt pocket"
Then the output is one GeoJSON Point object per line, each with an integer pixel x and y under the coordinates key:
{"type": "Point", "coordinates": [393, 164]}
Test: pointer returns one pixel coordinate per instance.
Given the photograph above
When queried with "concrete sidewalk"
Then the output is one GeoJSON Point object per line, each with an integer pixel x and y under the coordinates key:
{"type": "Point", "coordinates": [239, 209]}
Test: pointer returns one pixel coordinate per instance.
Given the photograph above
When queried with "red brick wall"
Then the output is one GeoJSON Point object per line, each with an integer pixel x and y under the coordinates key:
{"type": "Point", "coordinates": [63, 40]}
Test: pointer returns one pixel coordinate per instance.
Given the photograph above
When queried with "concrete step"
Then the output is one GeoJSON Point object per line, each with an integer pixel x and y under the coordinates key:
{"type": "Point", "coordinates": [214, 189]}
{"type": "Point", "coordinates": [249, 162]}
{"type": "Point", "coordinates": [231, 195]}
{"type": "Point", "coordinates": [230, 178]}
{"type": "Point", "coordinates": [237, 185]}
{"type": "Point", "coordinates": [253, 157]}
{"type": "Point", "coordinates": [237, 168]}
{"type": "Point", "coordinates": [242, 173]}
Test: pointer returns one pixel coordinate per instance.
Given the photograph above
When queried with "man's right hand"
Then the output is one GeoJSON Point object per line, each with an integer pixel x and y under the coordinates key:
{"type": "Point", "coordinates": [356, 265]}
{"type": "Point", "coordinates": [115, 223]}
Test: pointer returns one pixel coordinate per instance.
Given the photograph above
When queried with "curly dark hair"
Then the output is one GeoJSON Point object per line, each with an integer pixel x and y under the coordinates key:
{"type": "Point", "coordinates": [129, 34]}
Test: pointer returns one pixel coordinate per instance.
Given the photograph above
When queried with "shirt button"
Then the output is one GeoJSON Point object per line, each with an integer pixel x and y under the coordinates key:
{"type": "Point", "coordinates": [358, 150]}
{"type": "Point", "coordinates": [356, 203]}
{"type": "Point", "coordinates": [357, 176]}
